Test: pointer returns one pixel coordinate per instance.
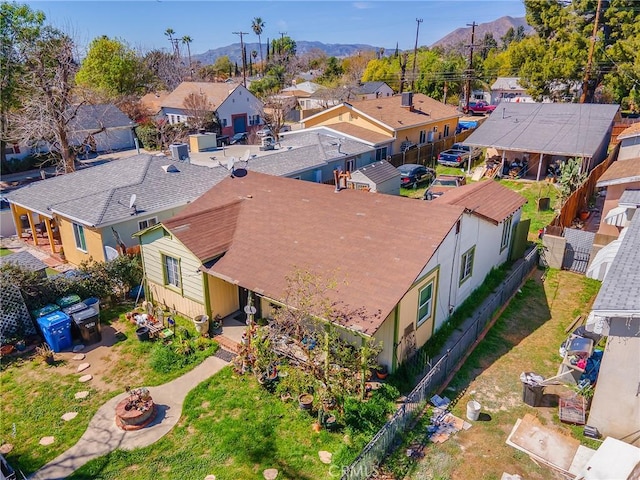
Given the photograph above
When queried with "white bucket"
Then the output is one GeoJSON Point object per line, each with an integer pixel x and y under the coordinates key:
{"type": "Point", "coordinates": [473, 410]}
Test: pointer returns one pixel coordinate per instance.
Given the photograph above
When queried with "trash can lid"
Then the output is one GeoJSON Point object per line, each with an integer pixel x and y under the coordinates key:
{"type": "Point", "coordinates": [53, 318]}
{"type": "Point", "coordinates": [86, 314]}
{"type": "Point", "coordinates": [68, 300]}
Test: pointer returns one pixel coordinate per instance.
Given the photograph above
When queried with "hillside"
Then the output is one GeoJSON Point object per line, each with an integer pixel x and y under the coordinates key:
{"type": "Point", "coordinates": [462, 36]}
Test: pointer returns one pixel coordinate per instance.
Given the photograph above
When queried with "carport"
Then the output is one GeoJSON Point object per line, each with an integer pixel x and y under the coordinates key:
{"type": "Point", "coordinates": [542, 133]}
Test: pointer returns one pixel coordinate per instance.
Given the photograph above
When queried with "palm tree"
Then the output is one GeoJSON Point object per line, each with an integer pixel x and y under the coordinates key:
{"type": "Point", "coordinates": [258, 25]}
{"type": "Point", "coordinates": [170, 32]}
{"type": "Point", "coordinates": [186, 40]}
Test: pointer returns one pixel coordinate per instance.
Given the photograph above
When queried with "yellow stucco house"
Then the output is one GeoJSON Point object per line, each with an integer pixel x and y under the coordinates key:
{"type": "Point", "coordinates": [404, 265]}
{"type": "Point", "coordinates": [94, 211]}
{"type": "Point", "coordinates": [403, 120]}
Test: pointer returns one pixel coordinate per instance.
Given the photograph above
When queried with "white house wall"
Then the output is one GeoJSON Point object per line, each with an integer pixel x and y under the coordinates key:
{"type": "Point", "coordinates": [241, 101]}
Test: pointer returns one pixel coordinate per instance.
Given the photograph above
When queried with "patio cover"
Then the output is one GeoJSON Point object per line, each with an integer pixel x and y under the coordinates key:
{"type": "Point", "coordinates": [619, 216]}
{"type": "Point", "coordinates": [567, 129]}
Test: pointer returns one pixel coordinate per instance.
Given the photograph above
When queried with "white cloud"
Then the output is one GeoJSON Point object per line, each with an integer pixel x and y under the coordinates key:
{"type": "Point", "coordinates": [361, 5]}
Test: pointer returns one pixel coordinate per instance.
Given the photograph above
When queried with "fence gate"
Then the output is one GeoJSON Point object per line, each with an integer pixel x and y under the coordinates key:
{"type": "Point", "coordinates": [578, 250]}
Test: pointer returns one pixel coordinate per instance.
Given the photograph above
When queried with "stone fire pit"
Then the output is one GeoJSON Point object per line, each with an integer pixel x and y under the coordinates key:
{"type": "Point", "coordinates": [135, 411]}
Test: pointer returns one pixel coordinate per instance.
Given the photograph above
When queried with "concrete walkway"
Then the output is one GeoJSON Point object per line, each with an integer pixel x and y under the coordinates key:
{"type": "Point", "coordinates": [103, 436]}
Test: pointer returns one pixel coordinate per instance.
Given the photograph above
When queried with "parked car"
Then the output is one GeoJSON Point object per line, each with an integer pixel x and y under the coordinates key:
{"type": "Point", "coordinates": [264, 132]}
{"type": "Point", "coordinates": [411, 175]}
{"type": "Point", "coordinates": [222, 140]}
{"type": "Point", "coordinates": [441, 184]}
{"type": "Point", "coordinates": [478, 108]}
{"type": "Point", "coordinates": [458, 155]}
{"type": "Point", "coordinates": [239, 139]}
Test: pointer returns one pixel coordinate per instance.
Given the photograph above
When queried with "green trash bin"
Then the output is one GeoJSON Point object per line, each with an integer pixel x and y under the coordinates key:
{"type": "Point", "coordinates": [67, 301]}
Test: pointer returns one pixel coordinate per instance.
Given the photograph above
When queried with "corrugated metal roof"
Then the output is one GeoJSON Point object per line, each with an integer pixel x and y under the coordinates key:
{"type": "Point", "coordinates": [567, 129]}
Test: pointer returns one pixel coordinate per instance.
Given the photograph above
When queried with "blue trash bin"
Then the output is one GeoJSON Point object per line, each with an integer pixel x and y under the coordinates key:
{"type": "Point", "coordinates": [56, 330]}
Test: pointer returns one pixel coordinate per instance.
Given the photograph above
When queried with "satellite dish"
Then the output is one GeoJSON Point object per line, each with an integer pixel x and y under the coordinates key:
{"type": "Point", "coordinates": [230, 162]}
{"type": "Point", "coordinates": [246, 156]}
{"type": "Point", "coordinates": [132, 201]}
{"type": "Point", "coordinates": [110, 253]}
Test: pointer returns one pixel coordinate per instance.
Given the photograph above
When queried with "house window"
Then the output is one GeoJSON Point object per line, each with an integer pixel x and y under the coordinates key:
{"type": "Point", "coordinates": [172, 119]}
{"type": "Point", "coordinates": [506, 233]}
{"type": "Point", "coordinates": [425, 302]}
{"type": "Point", "coordinates": [143, 224]}
{"type": "Point", "coordinates": [171, 271]}
{"type": "Point", "coordinates": [254, 119]}
{"type": "Point", "coordinates": [351, 165]}
{"type": "Point", "coordinates": [466, 265]}
{"type": "Point", "coordinates": [423, 136]}
{"type": "Point", "coordinates": [78, 233]}
{"type": "Point", "coordinates": [224, 122]}
{"type": "Point", "coordinates": [381, 154]}
{"type": "Point", "coordinates": [446, 130]}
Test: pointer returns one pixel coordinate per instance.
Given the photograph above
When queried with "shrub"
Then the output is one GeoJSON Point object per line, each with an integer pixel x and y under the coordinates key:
{"type": "Point", "coordinates": [164, 359]}
{"type": "Point", "coordinates": [368, 416]}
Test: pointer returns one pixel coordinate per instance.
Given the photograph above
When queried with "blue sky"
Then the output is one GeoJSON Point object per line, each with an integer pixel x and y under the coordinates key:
{"type": "Point", "coordinates": [210, 23]}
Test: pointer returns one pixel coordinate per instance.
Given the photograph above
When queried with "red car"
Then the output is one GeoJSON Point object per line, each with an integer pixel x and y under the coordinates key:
{"type": "Point", "coordinates": [478, 108]}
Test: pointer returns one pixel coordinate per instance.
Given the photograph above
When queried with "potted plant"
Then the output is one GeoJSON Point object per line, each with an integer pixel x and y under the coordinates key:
{"type": "Point", "coordinates": [20, 345]}
{"type": "Point", "coordinates": [216, 325]}
{"type": "Point", "coordinates": [382, 372]}
{"type": "Point", "coordinates": [46, 354]}
{"type": "Point", "coordinates": [305, 400]}
{"type": "Point", "coordinates": [6, 349]}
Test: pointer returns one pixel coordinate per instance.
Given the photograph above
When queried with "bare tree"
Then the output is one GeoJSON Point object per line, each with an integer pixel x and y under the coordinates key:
{"type": "Point", "coordinates": [164, 66]}
{"type": "Point", "coordinates": [199, 110]}
{"type": "Point", "coordinates": [276, 109]}
{"type": "Point", "coordinates": [48, 106]}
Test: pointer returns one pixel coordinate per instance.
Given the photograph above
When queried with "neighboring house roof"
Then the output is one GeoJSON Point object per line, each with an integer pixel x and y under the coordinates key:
{"type": "Point", "coordinates": [218, 223]}
{"type": "Point", "coordinates": [99, 195]}
{"type": "Point", "coordinates": [378, 172]}
{"type": "Point", "coordinates": [622, 171]}
{"type": "Point", "coordinates": [507, 83]}
{"type": "Point", "coordinates": [367, 88]}
{"type": "Point", "coordinates": [630, 132]}
{"type": "Point", "coordinates": [24, 260]}
{"type": "Point", "coordinates": [216, 93]}
{"type": "Point", "coordinates": [389, 111]}
{"type": "Point", "coordinates": [359, 238]}
{"type": "Point", "coordinates": [569, 129]}
{"type": "Point", "coordinates": [361, 133]}
{"type": "Point", "coordinates": [153, 101]}
{"type": "Point", "coordinates": [96, 117]}
{"type": "Point", "coordinates": [487, 199]}
{"type": "Point", "coordinates": [305, 87]}
{"type": "Point", "coordinates": [630, 198]}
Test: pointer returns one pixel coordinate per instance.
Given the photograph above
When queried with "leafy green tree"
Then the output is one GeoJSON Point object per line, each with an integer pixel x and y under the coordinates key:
{"type": "Point", "coordinates": [332, 71]}
{"type": "Point", "coordinates": [112, 68]}
{"type": "Point", "coordinates": [19, 27]}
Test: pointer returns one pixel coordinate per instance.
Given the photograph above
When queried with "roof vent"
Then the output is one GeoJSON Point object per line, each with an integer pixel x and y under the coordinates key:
{"type": "Point", "coordinates": [170, 168]}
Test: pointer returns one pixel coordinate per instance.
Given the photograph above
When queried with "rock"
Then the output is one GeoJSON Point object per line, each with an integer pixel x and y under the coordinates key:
{"type": "Point", "coordinates": [78, 348]}
{"type": "Point", "coordinates": [270, 474]}
{"type": "Point", "coordinates": [6, 448]}
{"type": "Point", "coordinates": [82, 395]}
{"type": "Point", "coordinates": [325, 457]}
{"type": "Point", "coordinates": [44, 441]}
{"type": "Point", "coordinates": [78, 357]}
{"type": "Point", "coordinates": [83, 366]}
{"type": "Point", "coordinates": [85, 378]}
{"type": "Point", "coordinates": [69, 416]}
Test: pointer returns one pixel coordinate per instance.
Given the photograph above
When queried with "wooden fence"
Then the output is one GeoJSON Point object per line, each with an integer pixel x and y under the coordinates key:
{"type": "Point", "coordinates": [427, 154]}
{"type": "Point", "coordinates": [579, 200]}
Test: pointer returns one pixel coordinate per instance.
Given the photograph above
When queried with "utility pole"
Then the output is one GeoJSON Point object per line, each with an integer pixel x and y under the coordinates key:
{"type": "Point", "coordinates": [467, 93]}
{"type": "Point", "coordinates": [244, 60]}
{"type": "Point", "coordinates": [586, 95]}
{"type": "Point", "coordinates": [403, 69]}
{"type": "Point", "coordinates": [415, 54]}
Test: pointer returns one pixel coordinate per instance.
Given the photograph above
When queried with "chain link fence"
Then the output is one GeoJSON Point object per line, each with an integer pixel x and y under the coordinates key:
{"type": "Point", "coordinates": [390, 435]}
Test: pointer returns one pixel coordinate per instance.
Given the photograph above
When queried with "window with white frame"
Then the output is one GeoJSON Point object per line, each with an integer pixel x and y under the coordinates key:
{"type": "Point", "coordinates": [506, 233]}
{"type": "Point", "coordinates": [351, 165]}
{"type": "Point", "coordinates": [466, 264]}
{"type": "Point", "coordinates": [171, 271]}
{"type": "Point", "coordinates": [381, 154]}
{"type": "Point", "coordinates": [423, 136]}
{"type": "Point", "coordinates": [78, 233]}
{"type": "Point", "coordinates": [149, 222]}
{"type": "Point", "coordinates": [446, 130]}
{"type": "Point", "coordinates": [425, 302]}
{"type": "Point", "coordinates": [254, 119]}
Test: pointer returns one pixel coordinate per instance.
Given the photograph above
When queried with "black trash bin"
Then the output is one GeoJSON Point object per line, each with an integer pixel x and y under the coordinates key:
{"type": "Point", "coordinates": [532, 394]}
{"type": "Point", "coordinates": [88, 322]}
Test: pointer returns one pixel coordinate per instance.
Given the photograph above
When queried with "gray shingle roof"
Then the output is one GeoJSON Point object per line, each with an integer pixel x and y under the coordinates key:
{"type": "Point", "coordinates": [378, 172]}
{"type": "Point", "coordinates": [630, 197]}
{"type": "Point", "coordinates": [620, 289]}
{"type": "Point", "coordinates": [95, 117]}
{"type": "Point", "coordinates": [24, 260]}
{"type": "Point", "coordinates": [369, 87]}
{"type": "Point", "coordinates": [100, 195]}
{"type": "Point", "coordinates": [568, 129]}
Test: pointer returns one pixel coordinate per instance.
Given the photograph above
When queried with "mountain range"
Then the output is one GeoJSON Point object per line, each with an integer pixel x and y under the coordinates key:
{"type": "Point", "coordinates": [456, 39]}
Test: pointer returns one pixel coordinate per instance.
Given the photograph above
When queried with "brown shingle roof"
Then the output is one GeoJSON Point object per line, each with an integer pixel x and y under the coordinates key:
{"type": "Point", "coordinates": [632, 131]}
{"type": "Point", "coordinates": [216, 93]}
{"type": "Point", "coordinates": [487, 199]}
{"type": "Point", "coordinates": [219, 223]}
{"type": "Point", "coordinates": [389, 111]}
{"type": "Point", "coordinates": [622, 171]}
{"type": "Point", "coordinates": [153, 101]}
{"type": "Point", "coordinates": [377, 244]}
{"type": "Point", "coordinates": [360, 132]}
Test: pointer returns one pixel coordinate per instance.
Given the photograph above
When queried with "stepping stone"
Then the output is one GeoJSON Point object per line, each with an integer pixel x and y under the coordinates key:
{"type": "Point", "coordinates": [83, 366]}
{"type": "Point", "coordinates": [270, 474]}
{"type": "Point", "coordinates": [44, 441]}
{"type": "Point", "coordinates": [85, 378]}
{"type": "Point", "coordinates": [6, 448]}
{"type": "Point", "coordinates": [325, 457]}
{"type": "Point", "coordinates": [78, 348]}
{"type": "Point", "coordinates": [210, 477]}
{"type": "Point", "coordinates": [78, 357]}
{"type": "Point", "coordinates": [81, 395]}
{"type": "Point", "coordinates": [69, 416]}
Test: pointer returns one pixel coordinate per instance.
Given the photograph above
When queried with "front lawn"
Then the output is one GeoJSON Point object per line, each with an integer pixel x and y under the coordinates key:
{"type": "Point", "coordinates": [231, 428]}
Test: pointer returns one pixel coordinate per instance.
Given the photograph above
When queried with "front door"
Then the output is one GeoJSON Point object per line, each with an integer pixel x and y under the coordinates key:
{"type": "Point", "coordinates": [240, 124]}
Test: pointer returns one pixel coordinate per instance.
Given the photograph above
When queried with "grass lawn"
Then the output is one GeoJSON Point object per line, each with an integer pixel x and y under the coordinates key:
{"type": "Point", "coordinates": [36, 395]}
{"type": "Point", "coordinates": [525, 338]}
{"type": "Point", "coordinates": [5, 251]}
{"type": "Point", "coordinates": [533, 191]}
{"type": "Point", "coordinates": [231, 428]}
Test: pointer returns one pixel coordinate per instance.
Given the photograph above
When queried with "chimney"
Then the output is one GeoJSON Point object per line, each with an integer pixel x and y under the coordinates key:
{"type": "Point", "coordinates": [407, 101]}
